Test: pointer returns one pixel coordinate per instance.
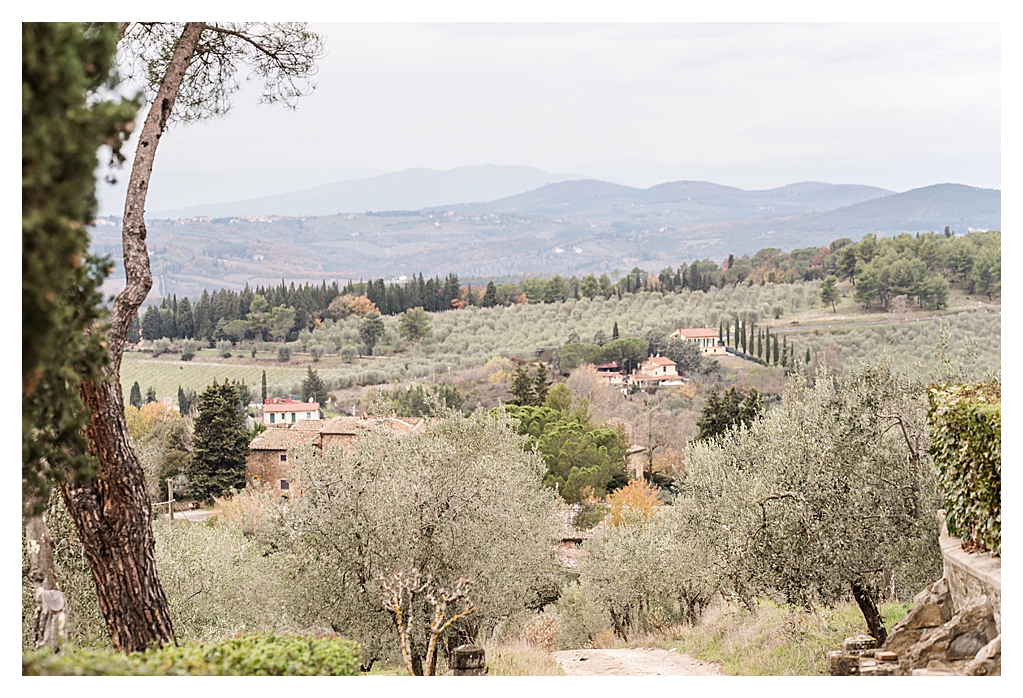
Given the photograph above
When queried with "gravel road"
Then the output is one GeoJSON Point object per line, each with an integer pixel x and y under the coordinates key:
{"type": "Point", "coordinates": [633, 662]}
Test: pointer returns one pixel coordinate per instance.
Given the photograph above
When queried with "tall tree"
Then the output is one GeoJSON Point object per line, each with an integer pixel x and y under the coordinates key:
{"type": "Point", "coordinates": [263, 388]}
{"type": "Point", "coordinates": [414, 324]}
{"type": "Point", "coordinates": [371, 329]}
{"type": "Point", "coordinates": [614, 331]}
{"type": "Point", "coordinates": [189, 73]}
{"type": "Point", "coordinates": [220, 443]}
{"type": "Point", "coordinates": [135, 399]}
{"type": "Point", "coordinates": [314, 387]}
{"type": "Point", "coordinates": [829, 293]}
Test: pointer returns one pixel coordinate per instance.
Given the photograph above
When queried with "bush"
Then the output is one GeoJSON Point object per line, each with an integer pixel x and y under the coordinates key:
{"type": "Point", "coordinates": [188, 349]}
{"type": "Point", "coordinates": [224, 348]}
{"type": "Point", "coordinates": [348, 354]}
{"type": "Point", "coordinates": [160, 346]}
{"type": "Point", "coordinates": [283, 353]}
{"type": "Point", "coordinates": [966, 436]}
{"type": "Point", "coordinates": [268, 655]}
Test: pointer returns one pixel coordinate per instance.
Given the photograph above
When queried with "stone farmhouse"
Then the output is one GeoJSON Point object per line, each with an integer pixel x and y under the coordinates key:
{"type": "Point", "coordinates": [269, 461]}
{"type": "Point", "coordinates": [705, 338]}
{"type": "Point", "coordinates": [280, 411]}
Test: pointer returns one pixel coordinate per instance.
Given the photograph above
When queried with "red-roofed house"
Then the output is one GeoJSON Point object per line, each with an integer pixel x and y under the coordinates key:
{"type": "Point", "coordinates": [280, 411]}
{"type": "Point", "coordinates": [703, 337]}
{"type": "Point", "coordinates": [654, 371]}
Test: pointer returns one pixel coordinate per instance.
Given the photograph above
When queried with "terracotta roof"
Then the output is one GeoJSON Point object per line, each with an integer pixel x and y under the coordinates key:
{"type": "Point", "coordinates": [283, 439]}
{"type": "Point", "coordinates": [659, 361]}
{"type": "Point", "coordinates": [695, 333]}
{"type": "Point", "coordinates": [307, 424]}
{"type": "Point", "coordinates": [343, 425]}
{"type": "Point", "coordinates": [610, 365]}
{"type": "Point", "coordinates": [285, 405]}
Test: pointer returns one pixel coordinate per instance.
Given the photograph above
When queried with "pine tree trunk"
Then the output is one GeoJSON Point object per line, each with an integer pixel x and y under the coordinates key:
{"type": "Point", "coordinates": [871, 614]}
{"type": "Point", "coordinates": [112, 513]}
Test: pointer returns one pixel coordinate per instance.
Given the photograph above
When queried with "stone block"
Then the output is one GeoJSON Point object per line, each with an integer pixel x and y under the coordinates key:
{"type": "Point", "coordinates": [859, 642]}
{"type": "Point", "coordinates": [843, 663]}
{"type": "Point", "coordinates": [886, 656]}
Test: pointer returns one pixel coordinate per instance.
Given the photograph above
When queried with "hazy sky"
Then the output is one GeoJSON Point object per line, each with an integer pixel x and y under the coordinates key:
{"type": "Point", "coordinates": [584, 97]}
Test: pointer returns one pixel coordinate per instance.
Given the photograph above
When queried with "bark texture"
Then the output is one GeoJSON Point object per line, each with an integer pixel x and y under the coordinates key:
{"type": "Point", "coordinates": [871, 614]}
{"type": "Point", "coordinates": [51, 608]}
{"type": "Point", "coordinates": [112, 513]}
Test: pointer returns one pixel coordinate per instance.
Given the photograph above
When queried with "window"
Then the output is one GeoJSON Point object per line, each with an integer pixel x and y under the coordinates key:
{"type": "Point", "coordinates": [271, 417]}
{"type": "Point", "coordinates": [293, 417]}
{"type": "Point", "coordinates": [284, 458]}
{"type": "Point", "coordinates": [285, 485]}
{"type": "Point", "coordinates": [308, 415]}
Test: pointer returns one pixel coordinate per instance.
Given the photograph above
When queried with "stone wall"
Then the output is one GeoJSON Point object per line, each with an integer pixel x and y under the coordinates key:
{"type": "Point", "coordinates": [954, 627]}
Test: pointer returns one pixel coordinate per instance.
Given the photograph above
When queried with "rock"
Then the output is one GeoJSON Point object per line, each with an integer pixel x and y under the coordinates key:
{"type": "Point", "coordinates": [843, 664]}
{"type": "Point", "coordinates": [886, 656]}
{"type": "Point", "coordinates": [975, 620]}
{"type": "Point", "coordinates": [901, 639]}
{"type": "Point", "coordinates": [988, 661]}
{"type": "Point", "coordinates": [858, 642]}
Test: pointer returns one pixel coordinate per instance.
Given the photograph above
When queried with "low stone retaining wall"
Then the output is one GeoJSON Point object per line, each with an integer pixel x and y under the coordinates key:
{"type": "Point", "coordinates": [954, 627]}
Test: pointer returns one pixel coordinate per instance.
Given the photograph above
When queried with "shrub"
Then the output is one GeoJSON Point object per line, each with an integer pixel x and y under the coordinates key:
{"type": "Point", "coordinates": [348, 354]}
{"type": "Point", "coordinates": [966, 436]}
{"type": "Point", "coordinates": [160, 346]}
{"type": "Point", "coordinates": [283, 353]}
{"type": "Point", "coordinates": [188, 349]}
{"type": "Point", "coordinates": [268, 655]}
{"type": "Point", "coordinates": [224, 348]}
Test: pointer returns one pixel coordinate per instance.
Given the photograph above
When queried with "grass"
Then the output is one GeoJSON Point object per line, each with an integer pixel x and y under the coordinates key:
{"type": "Point", "coordinates": [779, 641]}
{"type": "Point", "coordinates": [517, 658]}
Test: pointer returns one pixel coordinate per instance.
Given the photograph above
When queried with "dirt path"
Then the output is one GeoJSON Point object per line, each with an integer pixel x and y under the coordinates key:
{"type": "Point", "coordinates": [633, 662]}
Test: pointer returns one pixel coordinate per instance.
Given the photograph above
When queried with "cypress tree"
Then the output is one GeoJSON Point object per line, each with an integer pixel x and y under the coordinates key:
{"type": "Point", "coordinates": [775, 350]}
{"type": "Point", "coordinates": [135, 400]}
{"type": "Point", "coordinates": [808, 356]}
{"type": "Point", "coordinates": [263, 392]}
{"type": "Point", "coordinates": [540, 385]}
{"type": "Point", "coordinates": [221, 443]}
{"type": "Point", "coordinates": [614, 331]}
{"type": "Point", "coordinates": [150, 394]}
{"type": "Point", "coordinates": [744, 339]}
{"type": "Point", "coordinates": [760, 344]}
{"type": "Point", "coordinates": [721, 333]}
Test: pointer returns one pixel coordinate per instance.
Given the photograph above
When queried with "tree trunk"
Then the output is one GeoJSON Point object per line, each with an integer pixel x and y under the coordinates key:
{"type": "Point", "coordinates": [51, 609]}
{"type": "Point", "coordinates": [112, 513]}
{"type": "Point", "coordinates": [871, 614]}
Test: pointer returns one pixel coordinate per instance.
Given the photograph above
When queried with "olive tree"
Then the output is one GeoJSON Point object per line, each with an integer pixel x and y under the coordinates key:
{"type": "Point", "coordinates": [189, 72]}
{"type": "Point", "coordinates": [459, 504]}
{"type": "Point", "coordinates": [829, 494]}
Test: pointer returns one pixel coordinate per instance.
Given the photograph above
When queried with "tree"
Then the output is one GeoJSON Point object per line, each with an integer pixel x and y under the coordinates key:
{"type": "Point", "coordinates": [65, 118]}
{"type": "Point", "coordinates": [152, 327]}
{"type": "Point", "coordinates": [135, 399]}
{"type": "Point", "coordinates": [220, 443]}
{"type": "Point", "coordinates": [262, 392]}
{"type": "Point", "coordinates": [829, 493]}
{"type": "Point", "coordinates": [424, 505]}
{"type": "Point", "coordinates": [522, 387]}
{"type": "Point", "coordinates": [282, 319]}
{"type": "Point", "coordinates": [371, 329]}
{"type": "Point", "coordinates": [775, 350]}
{"type": "Point", "coordinates": [414, 324]}
{"type": "Point", "coordinates": [638, 496]}
{"type": "Point", "coordinates": [314, 387]}
{"type": "Point", "coordinates": [540, 385]}
{"type": "Point", "coordinates": [135, 330]}
{"type": "Point", "coordinates": [626, 351]}
{"type": "Point", "coordinates": [189, 73]}
{"type": "Point", "coordinates": [722, 412]}
{"type": "Point", "coordinates": [829, 292]}
{"type": "Point", "coordinates": [361, 306]}
{"type": "Point", "coordinates": [614, 332]}
{"type": "Point", "coordinates": [150, 395]}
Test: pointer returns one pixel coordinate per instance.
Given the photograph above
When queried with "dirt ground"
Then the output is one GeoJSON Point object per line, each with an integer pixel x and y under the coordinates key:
{"type": "Point", "coordinates": [633, 662]}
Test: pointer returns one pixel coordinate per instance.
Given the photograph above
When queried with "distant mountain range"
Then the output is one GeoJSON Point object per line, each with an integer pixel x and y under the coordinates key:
{"type": "Point", "coordinates": [408, 189]}
{"type": "Point", "coordinates": [569, 227]}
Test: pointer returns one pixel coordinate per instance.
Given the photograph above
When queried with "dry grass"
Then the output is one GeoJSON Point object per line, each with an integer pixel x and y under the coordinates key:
{"type": "Point", "coordinates": [247, 509]}
{"type": "Point", "coordinates": [778, 641]}
{"type": "Point", "coordinates": [519, 658]}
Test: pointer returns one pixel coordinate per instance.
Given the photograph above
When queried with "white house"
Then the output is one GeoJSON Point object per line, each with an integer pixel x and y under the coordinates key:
{"type": "Point", "coordinates": [280, 411]}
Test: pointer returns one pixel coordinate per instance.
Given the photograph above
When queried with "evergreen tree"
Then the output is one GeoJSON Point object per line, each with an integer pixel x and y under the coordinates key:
{"type": "Point", "coordinates": [721, 332]}
{"type": "Point", "coordinates": [522, 387]}
{"type": "Point", "coordinates": [182, 401]}
{"type": "Point", "coordinates": [65, 68]}
{"type": "Point", "coordinates": [760, 344]}
{"type": "Point", "coordinates": [743, 338]}
{"type": "Point", "coordinates": [220, 444]}
{"type": "Point", "coordinates": [775, 350]}
{"type": "Point", "coordinates": [490, 295]}
{"type": "Point", "coordinates": [314, 387]}
{"type": "Point", "coordinates": [808, 356]}
{"type": "Point", "coordinates": [614, 331]}
{"type": "Point", "coordinates": [263, 391]}
{"type": "Point", "coordinates": [134, 330]}
{"type": "Point", "coordinates": [135, 400]}
{"type": "Point", "coordinates": [540, 385]}
{"type": "Point", "coordinates": [152, 325]}
{"type": "Point", "coordinates": [829, 293]}
{"type": "Point", "coordinates": [370, 330]}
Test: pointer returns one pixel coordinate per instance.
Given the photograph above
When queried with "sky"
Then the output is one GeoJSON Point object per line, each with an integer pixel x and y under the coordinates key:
{"type": "Point", "coordinates": [750, 105]}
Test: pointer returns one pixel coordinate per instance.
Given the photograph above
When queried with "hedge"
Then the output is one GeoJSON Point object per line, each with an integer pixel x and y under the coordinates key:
{"type": "Point", "coordinates": [966, 435]}
{"type": "Point", "coordinates": [266, 655]}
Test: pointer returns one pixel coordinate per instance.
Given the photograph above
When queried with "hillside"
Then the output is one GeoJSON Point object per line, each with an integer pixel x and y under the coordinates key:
{"type": "Point", "coordinates": [570, 228]}
{"type": "Point", "coordinates": [408, 189]}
